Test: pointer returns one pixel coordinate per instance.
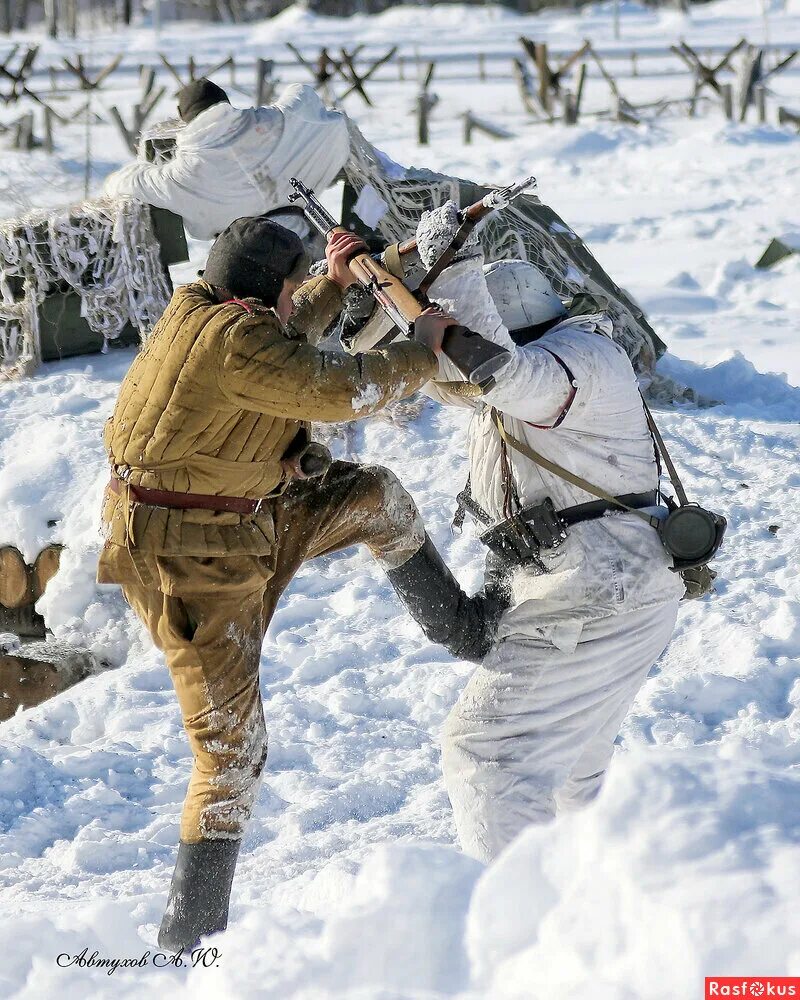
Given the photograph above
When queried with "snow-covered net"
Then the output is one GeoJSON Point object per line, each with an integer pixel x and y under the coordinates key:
{"type": "Point", "coordinates": [527, 229]}
{"type": "Point", "coordinates": [105, 250]}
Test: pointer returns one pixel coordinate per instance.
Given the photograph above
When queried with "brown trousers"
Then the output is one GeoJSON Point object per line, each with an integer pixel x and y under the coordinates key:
{"type": "Point", "coordinates": [211, 634]}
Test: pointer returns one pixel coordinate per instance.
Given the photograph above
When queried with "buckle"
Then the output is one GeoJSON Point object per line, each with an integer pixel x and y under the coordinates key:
{"type": "Point", "coordinates": [259, 504]}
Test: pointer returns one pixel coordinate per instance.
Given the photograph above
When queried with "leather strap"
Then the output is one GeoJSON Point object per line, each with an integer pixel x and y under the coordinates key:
{"type": "Point", "coordinates": [598, 508]}
{"type": "Point", "coordinates": [573, 392]}
{"type": "Point", "coordinates": [448, 255]}
{"type": "Point", "coordinates": [683, 500]}
{"type": "Point", "coordinates": [185, 501]}
{"type": "Point", "coordinates": [562, 473]}
{"type": "Point", "coordinates": [392, 261]}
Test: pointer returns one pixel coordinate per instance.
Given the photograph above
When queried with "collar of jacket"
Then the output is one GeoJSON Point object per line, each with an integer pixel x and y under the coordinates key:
{"type": "Point", "coordinates": [255, 305]}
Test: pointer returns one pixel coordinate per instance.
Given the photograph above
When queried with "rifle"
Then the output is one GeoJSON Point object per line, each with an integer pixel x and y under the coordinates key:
{"type": "Point", "coordinates": [469, 218]}
{"type": "Point", "coordinates": [477, 359]}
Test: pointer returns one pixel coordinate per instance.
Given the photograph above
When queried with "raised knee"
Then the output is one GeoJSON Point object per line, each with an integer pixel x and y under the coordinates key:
{"type": "Point", "coordinates": [388, 495]}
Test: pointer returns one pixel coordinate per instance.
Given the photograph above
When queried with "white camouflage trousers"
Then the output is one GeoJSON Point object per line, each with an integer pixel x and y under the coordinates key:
{"type": "Point", "coordinates": [534, 729]}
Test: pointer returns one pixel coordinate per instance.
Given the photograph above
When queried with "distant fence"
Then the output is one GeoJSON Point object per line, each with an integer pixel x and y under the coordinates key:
{"type": "Point", "coordinates": [551, 81]}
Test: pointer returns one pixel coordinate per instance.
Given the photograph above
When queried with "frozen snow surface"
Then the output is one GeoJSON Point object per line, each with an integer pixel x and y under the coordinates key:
{"type": "Point", "coordinates": [350, 883]}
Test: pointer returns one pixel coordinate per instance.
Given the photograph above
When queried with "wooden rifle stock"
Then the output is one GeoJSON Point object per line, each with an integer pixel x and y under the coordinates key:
{"type": "Point", "coordinates": [476, 358]}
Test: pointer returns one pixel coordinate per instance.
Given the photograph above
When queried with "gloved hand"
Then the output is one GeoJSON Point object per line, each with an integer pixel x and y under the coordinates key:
{"type": "Point", "coordinates": [436, 230]}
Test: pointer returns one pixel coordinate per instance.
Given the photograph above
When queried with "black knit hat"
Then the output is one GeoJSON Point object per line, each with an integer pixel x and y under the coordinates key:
{"type": "Point", "coordinates": [253, 257]}
{"type": "Point", "coordinates": [197, 96]}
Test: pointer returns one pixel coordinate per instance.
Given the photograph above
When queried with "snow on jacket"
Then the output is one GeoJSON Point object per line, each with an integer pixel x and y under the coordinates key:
{"type": "Point", "coordinates": [607, 566]}
{"type": "Point", "coordinates": [232, 162]}
{"type": "Point", "coordinates": [212, 401]}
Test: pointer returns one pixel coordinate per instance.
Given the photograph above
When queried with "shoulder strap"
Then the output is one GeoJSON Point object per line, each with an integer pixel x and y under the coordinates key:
{"type": "Point", "coordinates": [683, 500]}
{"type": "Point", "coordinates": [392, 260]}
{"type": "Point", "coordinates": [562, 473]}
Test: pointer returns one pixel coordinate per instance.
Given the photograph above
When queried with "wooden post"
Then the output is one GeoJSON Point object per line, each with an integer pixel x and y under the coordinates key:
{"type": "Point", "coordinates": [570, 109]}
{"type": "Point", "coordinates": [24, 136]}
{"type": "Point", "coordinates": [544, 75]}
{"type": "Point", "coordinates": [6, 18]}
{"type": "Point", "coordinates": [423, 107]}
{"type": "Point", "coordinates": [51, 17]}
{"type": "Point", "coordinates": [425, 102]}
{"type": "Point", "coordinates": [579, 91]}
{"type": "Point", "coordinates": [520, 74]}
{"type": "Point", "coordinates": [49, 145]}
{"type": "Point", "coordinates": [787, 117]}
{"type": "Point", "coordinates": [401, 68]}
{"type": "Point", "coordinates": [761, 103]}
{"type": "Point", "coordinates": [634, 64]}
{"type": "Point", "coordinates": [264, 84]}
{"type": "Point", "coordinates": [727, 100]}
{"type": "Point", "coordinates": [472, 123]}
{"type": "Point", "coordinates": [482, 67]}
{"type": "Point", "coordinates": [692, 106]}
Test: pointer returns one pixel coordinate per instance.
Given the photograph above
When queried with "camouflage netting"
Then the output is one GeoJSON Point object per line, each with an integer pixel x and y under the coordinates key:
{"type": "Point", "coordinates": [104, 250]}
{"type": "Point", "coordinates": [527, 229]}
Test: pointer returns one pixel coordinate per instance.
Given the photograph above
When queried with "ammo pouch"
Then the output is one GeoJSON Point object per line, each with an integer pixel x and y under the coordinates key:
{"type": "Point", "coordinates": [518, 540]}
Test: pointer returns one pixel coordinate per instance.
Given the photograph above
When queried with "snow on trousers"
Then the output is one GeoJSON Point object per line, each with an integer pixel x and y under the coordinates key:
{"type": "Point", "coordinates": [534, 729]}
{"type": "Point", "coordinates": [212, 633]}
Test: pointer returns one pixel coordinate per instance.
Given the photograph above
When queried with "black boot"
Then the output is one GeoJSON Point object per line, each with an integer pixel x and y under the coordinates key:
{"type": "Point", "coordinates": [465, 626]}
{"type": "Point", "coordinates": [199, 894]}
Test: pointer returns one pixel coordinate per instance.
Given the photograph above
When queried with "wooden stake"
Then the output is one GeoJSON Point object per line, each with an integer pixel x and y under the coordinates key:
{"type": "Point", "coordinates": [49, 145]}
{"type": "Point", "coordinates": [264, 84]}
{"type": "Point", "coordinates": [570, 109]}
{"type": "Point", "coordinates": [544, 75]}
{"type": "Point", "coordinates": [761, 103]}
{"type": "Point", "coordinates": [472, 123]}
{"type": "Point", "coordinates": [727, 100]}
{"type": "Point", "coordinates": [423, 133]}
{"type": "Point", "coordinates": [579, 91]}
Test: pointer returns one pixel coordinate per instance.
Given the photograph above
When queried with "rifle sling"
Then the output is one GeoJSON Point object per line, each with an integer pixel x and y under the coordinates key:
{"type": "Point", "coordinates": [447, 255]}
{"type": "Point", "coordinates": [392, 260]}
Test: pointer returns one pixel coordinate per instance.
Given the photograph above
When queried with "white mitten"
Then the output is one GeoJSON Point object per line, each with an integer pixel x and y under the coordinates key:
{"type": "Point", "coordinates": [436, 230]}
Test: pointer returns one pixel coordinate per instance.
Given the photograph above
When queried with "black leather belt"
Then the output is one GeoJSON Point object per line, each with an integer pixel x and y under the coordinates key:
{"type": "Point", "coordinates": [521, 539]}
{"type": "Point", "coordinates": [597, 508]}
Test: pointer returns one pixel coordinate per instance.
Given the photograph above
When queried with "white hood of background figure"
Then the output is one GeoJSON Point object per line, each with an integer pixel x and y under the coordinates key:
{"type": "Point", "coordinates": [608, 566]}
{"type": "Point", "coordinates": [232, 162]}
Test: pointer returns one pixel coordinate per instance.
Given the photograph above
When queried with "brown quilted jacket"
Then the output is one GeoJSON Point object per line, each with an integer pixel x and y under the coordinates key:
{"type": "Point", "coordinates": [215, 397]}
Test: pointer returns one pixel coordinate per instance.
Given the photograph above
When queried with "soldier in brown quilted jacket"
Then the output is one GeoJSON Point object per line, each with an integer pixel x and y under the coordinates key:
{"type": "Point", "coordinates": [208, 516]}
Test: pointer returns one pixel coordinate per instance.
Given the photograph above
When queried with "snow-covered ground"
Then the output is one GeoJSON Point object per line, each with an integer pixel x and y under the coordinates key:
{"type": "Point", "coordinates": [349, 883]}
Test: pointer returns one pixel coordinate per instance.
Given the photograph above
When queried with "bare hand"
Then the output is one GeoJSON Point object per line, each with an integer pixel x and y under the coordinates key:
{"type": "Point", "coordinates": [430, 325]}
{"type": "Point", "coordinates": [341, 247]}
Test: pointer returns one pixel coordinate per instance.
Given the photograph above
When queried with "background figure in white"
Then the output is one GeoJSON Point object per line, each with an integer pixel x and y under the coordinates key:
{"type": "Point", "coordinates": [233, 162]}
{"type": "Point", "coordinates": [534, 729]}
